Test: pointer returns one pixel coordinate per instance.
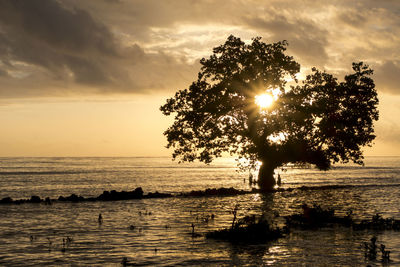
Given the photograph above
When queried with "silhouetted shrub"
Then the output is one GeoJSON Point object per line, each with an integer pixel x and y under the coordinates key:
{"type": "Point", "coordinates": [250, 229]}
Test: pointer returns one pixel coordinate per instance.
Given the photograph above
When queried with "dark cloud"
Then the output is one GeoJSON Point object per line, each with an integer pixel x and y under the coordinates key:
{"type": "Point", "coordinates": [58, 46]}
{"type": "Point", "coordinates": [58, 28]}
{"type": "Point", "coordinates": [61, 40]}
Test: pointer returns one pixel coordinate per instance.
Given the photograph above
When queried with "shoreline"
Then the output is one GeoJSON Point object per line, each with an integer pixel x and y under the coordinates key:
{"type": "Point", "coordinates": [138, 193]}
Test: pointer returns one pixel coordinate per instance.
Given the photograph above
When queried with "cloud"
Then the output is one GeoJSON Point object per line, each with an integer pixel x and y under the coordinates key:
{"type": "Point", "coordinates": [353, 18]}
{"type": "Point", "coordinates": [387, 76]}
{"type": "Point", "coordinates": [45, 34]}
{"type": "Point", "coordinates": [65, 48]}
{"type": "Point", "coordinates": [56, 47]}
{"type": "Point", "coordinates": [306, 40]}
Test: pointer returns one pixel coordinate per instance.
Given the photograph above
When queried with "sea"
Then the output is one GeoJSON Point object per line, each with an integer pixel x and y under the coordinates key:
{"type": "Point", "coordinates": [157, 232]}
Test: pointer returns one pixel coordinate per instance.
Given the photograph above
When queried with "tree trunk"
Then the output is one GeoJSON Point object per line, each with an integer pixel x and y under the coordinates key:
{"type": "Point", "coordinates": [266, 180]}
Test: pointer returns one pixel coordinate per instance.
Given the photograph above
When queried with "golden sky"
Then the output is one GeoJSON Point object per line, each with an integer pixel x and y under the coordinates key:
{"type": "Point", "coordinates": [86, 78]}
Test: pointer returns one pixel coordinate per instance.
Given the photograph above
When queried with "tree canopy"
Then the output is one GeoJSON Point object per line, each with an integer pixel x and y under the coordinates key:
{"type": "Point", "coordinates": [319, 120]}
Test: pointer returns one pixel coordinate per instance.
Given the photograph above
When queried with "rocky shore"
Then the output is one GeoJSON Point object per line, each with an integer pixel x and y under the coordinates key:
{"type": "Point", "coordinates": [127, 195]}
{"type": "Point", "coordinates": [138, 193]}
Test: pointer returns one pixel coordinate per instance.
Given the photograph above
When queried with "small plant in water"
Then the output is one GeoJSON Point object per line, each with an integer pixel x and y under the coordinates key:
{"type": "Point", "coordinates": [124, 261]}
{"type": "Point", "coordinates": [193, 232]}
{"type": "Point", "coordinates": [385, 254]}
{"type": "Point", "coordinates": [234, 212]}
{"type": "Point", "coordinates": [50, 243]}
{"type": "Point", "coordinates": [371, 250]}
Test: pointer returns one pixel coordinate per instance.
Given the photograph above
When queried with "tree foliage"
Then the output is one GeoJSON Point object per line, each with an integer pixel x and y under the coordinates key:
{"type": "Point", "coordinates": [319, 120]}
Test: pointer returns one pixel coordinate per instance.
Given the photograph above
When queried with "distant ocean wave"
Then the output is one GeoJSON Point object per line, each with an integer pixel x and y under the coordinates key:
{"type": "Point", "coordinates": [350, 180]}
{"type": "Point", "coordinates": [180, 167]}
{"type": "Point", "coordinates": [47, 172]}
{"type": "Point", "coordinates": [326, 187]}
{"type": "Point", "coordinates": [364, 167]}
{"type": "Point", "coordinates": [114, 170]}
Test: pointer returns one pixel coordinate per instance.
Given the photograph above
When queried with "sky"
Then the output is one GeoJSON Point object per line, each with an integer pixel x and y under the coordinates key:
{"type": "Point", "coordinates": [87, 78]}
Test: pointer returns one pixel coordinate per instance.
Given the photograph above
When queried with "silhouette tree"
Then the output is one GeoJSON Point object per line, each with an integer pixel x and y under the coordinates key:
{"type": "Point", "coordinates": [319, 120]}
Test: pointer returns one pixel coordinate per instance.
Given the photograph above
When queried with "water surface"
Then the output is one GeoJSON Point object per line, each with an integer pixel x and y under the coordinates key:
{"type": "Point", "coordinates": [161, 226]}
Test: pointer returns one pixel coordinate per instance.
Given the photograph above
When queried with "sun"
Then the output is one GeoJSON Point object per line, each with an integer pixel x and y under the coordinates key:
{"type": "Point", "coordinates": [264, 100]}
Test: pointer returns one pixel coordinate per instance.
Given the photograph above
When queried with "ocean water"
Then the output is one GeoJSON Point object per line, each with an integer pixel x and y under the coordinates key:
{"type": "Point", "coordinates": [161, 233]}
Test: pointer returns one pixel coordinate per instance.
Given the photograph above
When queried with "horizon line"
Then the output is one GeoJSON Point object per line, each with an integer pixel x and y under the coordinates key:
{"type": "Point", "coordinates": [141, 156]}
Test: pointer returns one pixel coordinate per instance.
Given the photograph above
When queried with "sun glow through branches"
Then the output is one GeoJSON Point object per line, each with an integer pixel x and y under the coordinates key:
{"type": "Point", "coordinates": [264, 100]}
